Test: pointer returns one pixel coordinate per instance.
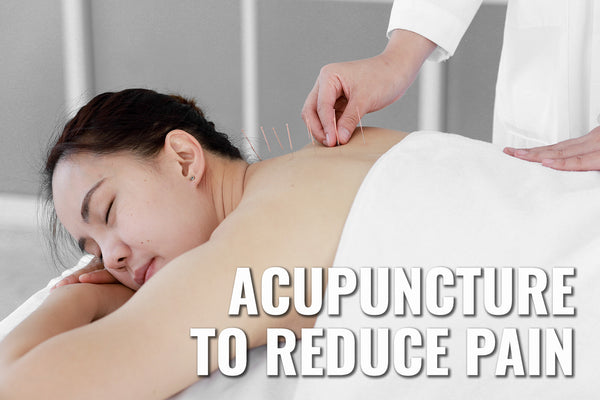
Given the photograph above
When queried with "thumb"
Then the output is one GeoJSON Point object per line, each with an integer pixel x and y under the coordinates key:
{"type": "Point", "coordinates": [348, 122]}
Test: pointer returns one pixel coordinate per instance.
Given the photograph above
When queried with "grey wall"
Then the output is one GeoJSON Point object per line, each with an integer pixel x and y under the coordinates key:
{"type": "Point", "coordinates": [193, 47]}
{"type": "Point", "coordinates": [31, 88]}
{"type": "Point", "coordinates": [185, 46]}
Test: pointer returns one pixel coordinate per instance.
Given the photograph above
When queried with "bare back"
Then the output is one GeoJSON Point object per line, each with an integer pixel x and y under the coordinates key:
{"type": "Point", "coordinates": [312, 190]}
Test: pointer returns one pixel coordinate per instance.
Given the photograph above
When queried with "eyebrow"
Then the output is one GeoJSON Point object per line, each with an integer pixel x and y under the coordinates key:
{"type": "Point", "coordinates": [85, 204]}
{"type": "Point", "coordinates": [85, 210]}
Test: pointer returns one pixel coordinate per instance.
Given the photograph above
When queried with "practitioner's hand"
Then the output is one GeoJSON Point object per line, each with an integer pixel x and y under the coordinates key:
{"type": "Point", "coordinates": [349, 90]}
{"type": "Point", "coordinates": [580, 154]}
{"type": "Point", "coordinates": [94, 272]}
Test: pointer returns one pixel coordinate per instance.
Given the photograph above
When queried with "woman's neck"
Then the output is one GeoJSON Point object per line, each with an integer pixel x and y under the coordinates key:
{"type": "Point", "coordinates": [226, 183]}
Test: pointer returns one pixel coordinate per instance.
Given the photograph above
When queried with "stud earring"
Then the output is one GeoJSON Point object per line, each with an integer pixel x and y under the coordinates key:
{"type": "Point", "coordinates": [192, 178]}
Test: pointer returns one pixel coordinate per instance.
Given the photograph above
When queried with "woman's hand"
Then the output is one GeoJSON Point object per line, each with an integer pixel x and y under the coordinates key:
{"type": "Point", "coordinates": [94, 272]}
{"type": "Point", "coordinates": [580, 154]}
{"type": "Point", "coordinates": [345, 92]}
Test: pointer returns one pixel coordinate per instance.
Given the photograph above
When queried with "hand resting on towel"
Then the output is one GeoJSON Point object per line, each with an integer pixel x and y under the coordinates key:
{"type": "Point", "coordinates": [94, 272]}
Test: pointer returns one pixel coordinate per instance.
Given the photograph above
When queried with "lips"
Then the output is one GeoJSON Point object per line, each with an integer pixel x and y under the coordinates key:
{"type": "Point", "coordinates": [150, 270]}
{"type": "Point", "coordinates": [144, 273]}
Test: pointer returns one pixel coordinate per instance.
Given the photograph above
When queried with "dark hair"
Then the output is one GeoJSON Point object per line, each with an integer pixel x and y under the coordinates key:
{"type": "Point", "coordinates": [133, 120]}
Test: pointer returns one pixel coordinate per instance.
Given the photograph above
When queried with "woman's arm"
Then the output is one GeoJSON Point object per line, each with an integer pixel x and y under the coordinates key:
{"type": "Point", "coordinates": [66, 308]}
{"type": "Point", "coordinates": [144, 349]}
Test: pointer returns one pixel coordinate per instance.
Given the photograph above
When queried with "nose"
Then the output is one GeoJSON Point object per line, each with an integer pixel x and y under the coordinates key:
{"type": "Point", "coordinates": [115, 254]}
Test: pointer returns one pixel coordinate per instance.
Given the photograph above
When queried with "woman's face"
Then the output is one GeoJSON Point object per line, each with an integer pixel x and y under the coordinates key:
{"type": "Point", "coordinates": [137, 216]}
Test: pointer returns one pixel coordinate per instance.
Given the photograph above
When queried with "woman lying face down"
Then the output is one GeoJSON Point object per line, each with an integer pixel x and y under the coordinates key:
{"type": "Point", "coordinates": [143, 181]}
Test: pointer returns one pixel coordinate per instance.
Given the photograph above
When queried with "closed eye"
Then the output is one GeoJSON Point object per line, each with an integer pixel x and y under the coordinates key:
{"type": "Point", "coordinates": [108, 210]}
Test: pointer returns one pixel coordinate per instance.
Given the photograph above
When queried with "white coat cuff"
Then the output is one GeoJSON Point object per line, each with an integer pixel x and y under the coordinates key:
{"type": "Point", "coordinates": [436, 22]}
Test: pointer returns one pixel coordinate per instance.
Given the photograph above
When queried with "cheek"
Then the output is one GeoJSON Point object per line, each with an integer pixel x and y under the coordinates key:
{"type": "Point", "coordinates": [190, 231]}
{"type": "Point", "coordinates": [194, 226]}
{"type": "Point", "coordinates": [167, 225]}
{"type": "Point", "coordinates": [189, 215]}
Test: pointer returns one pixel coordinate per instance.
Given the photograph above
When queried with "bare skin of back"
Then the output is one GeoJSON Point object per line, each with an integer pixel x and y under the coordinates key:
{"type": "Point", "coordinates": [291, 214]}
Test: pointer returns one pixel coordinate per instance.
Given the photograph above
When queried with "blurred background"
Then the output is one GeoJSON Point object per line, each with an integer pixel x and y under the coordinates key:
{"type": "Point", "coordinates": [248, 63]}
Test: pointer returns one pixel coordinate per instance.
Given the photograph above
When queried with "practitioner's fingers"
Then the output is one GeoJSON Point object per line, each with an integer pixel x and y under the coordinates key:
{"type": "Point", "coordinates": [349, 121]}
{"type": "Point", "coordinates": [310, 116]}
{"type": "Point", "coordinates": [564, 149]}
{"type": "Point", "coordinates": [580, 162]}
{"type": "Point", "coordinates": [580, 154]}
{"type": "Point", "coordinates": [344, 91]}
{"type": "Point", "coordinates": [329, 91]}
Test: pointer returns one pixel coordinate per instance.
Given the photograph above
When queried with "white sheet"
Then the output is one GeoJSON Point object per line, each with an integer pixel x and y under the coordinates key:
{"type": "Point", "coordinates": [463, 203]}
{"type": "Point", "coordinates": [18, 315]}
{"type": "Point", "coordinates": [456, 202]}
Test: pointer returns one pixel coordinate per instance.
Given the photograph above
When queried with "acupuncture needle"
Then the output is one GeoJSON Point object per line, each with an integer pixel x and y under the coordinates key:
{"type": "Point", "coordinates": [278, 141]}
{"type": "Point", "coordinates": [361, 127]}
{"type": "Point", "coordinates": [265, 136]}
{"type": "Point", "coordinates": [250, 143]}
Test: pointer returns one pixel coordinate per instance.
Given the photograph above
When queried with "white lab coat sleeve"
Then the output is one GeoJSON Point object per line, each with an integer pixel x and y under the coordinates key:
{"type": "Point", "coordinates": [444, 22]}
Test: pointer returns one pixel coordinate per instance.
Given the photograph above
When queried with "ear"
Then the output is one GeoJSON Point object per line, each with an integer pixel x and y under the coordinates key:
{"type": "Point", "coordinates": [185, 149]}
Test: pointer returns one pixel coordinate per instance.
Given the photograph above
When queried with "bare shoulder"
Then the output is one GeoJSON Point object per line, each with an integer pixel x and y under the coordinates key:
{"type": "Point", "coordinates": [373, 139]}
{"type": "Point", "coordinates": [370, 138]}
{"type": "Point", "coordinates": [377, 134]}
